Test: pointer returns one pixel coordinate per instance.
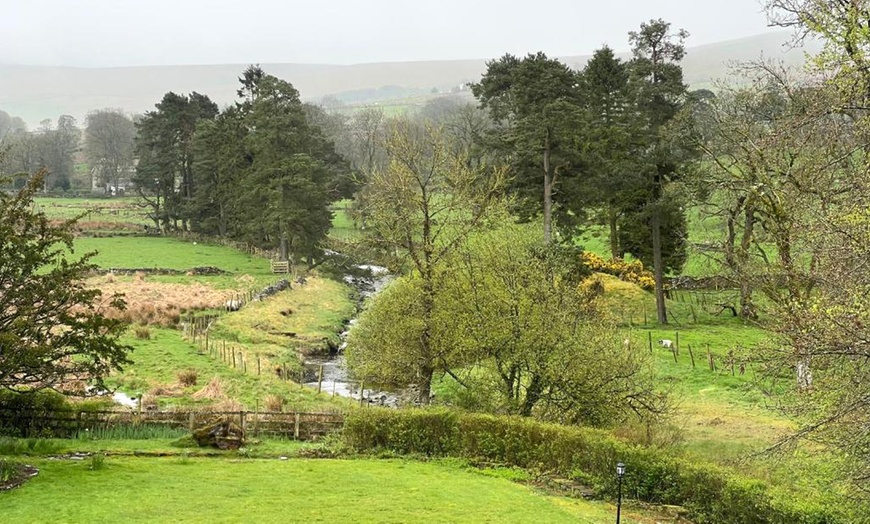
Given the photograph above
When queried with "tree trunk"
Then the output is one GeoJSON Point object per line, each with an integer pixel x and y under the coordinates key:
{"type": "Point", "coordinates": [533, 395]}
{"type": "Point", "coordinates": [614, 238]}
{"type": "Point", "coordinates": [283, 255]}
{"type": "Point", "coordinates": [548, 198]}
{"type": "Point", "coordinates": [658, 264]}
{"type": "Point", "coordinates": [747, 307]}
{"type": "Point", "coordinates": [425, 385]}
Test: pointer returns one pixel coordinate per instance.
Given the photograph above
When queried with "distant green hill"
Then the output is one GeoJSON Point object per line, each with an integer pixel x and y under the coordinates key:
{"type": "Point", "coordinates": [35, 93]}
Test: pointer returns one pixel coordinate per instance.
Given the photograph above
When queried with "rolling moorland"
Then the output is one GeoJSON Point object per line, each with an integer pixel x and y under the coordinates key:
{"type": "Point", "coordinates": [37, 93]}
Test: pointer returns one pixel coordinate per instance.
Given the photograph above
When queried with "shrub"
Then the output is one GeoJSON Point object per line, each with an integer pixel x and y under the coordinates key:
{"type": "Point", "coordinates": [711, 494]}
{"type": "Point", "coordinates": [187, 377]}
{"type": "Point", "coordinates": [31, 414]}
{"type": "Point", "coordinates": [274, 403]}
{"type": "Point", "coordinates": [632, 272]}
{"type": "Point", "coordinates": [98, 462]}
{"type": "Point", "coordinates": [8, 470]}
{"type": "Point", "coordinates": [143, 332]}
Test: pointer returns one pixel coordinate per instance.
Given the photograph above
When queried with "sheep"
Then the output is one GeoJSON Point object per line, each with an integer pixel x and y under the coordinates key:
{"type": "Point", "coordinates": [233, 305]}
{"type": "Point", "coordinates": [665, 343]}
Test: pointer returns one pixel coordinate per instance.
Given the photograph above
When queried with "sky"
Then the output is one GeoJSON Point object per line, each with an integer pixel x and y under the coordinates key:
{"type": "Point", "coordinates": [113, 33]}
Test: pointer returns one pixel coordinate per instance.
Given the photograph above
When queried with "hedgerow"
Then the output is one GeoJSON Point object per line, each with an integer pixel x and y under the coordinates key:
{"type": "Point", "coordinates": [711, 494]}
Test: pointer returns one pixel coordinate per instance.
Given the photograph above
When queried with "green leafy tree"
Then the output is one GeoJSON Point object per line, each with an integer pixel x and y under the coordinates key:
{"type": "Point", "coordinates": [54, 148]}
{"type": "Point", "coordinates": [294, 172]}
{"type": "Point", "coordinates": [164, 144]}
{"type": "Point", "coordinates": [660, 94]}
{"type": "Point", "coordinates": [534, 103]}
{"type": "Point", "coordinates": [421, 209]}
{"type": "Point", "coordinates": [527, 312]}
{"type": "Point", "coordinates": [611, 143]}
{"type": "Point", "coordinates": [220, 166]}
{"type": "Point", "coordinates": [52, 328]}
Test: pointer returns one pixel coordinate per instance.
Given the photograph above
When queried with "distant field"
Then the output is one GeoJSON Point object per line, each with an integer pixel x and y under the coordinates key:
{"type": "Point", "coordinates": [107, 210]}
{"type": "Point", "coordinates": [219, 490]}
{"type": "Point", "coordinates": [169, 253]}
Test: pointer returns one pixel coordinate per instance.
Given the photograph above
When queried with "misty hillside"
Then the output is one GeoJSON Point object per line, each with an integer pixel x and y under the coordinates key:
{"type": "Point", "coordinates": [35, 92]}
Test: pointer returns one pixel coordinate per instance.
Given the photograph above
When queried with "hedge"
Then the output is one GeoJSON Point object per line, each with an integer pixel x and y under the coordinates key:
{"type": "Point", "coordinates": [710, 494]}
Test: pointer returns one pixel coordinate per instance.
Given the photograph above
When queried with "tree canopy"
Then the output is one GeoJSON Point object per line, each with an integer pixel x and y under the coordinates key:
{"type": "Point", "coordinates": [52, 328]}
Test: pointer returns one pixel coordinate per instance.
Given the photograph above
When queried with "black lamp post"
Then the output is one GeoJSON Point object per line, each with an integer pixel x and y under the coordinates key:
{"type": "Point", "coordinates": [620, 472]}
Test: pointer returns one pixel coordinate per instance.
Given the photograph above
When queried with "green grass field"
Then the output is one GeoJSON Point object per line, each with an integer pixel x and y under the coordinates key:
{"type": "Point", "coordinates": [181, 489]}
{"type": "Point", "coordinates": [157, 362]}
{"type": "Point", "coordinates": [169, 253]}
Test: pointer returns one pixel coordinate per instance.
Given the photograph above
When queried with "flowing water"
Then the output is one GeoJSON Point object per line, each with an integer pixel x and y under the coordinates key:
{"type": "Point", "coordinates": [335, 379]}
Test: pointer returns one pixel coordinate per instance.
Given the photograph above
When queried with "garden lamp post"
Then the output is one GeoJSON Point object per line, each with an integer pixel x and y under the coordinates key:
{"type": "Point", "coordinates": [620, 472]}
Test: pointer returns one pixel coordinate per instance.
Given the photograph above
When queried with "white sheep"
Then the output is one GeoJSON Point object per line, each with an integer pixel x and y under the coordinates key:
{"type": "Point", "coordinates": [233, 305]}
{"type": "Point", "coordinates": [665, 343]}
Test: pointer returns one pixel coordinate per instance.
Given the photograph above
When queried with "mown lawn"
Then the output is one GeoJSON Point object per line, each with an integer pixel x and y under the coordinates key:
{"type": "Point", "coordinates": [181, 489]}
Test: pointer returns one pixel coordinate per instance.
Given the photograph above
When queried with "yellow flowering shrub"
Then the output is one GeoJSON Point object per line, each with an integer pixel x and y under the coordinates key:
{"type": "Point", "coordinates": [632, 272]}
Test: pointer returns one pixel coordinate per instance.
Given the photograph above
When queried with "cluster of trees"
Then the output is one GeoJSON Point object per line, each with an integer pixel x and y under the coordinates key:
{"type": "Point", "coordinates": [781, 160]}
{"type": "Point", "coordinates": [508, 314]}
{"type": "Point", "coordinates": [261, 171]}
{"type": "Point", "coordinates": [598, 141]}
{"type": "Point", "coordinates": [106, 144]}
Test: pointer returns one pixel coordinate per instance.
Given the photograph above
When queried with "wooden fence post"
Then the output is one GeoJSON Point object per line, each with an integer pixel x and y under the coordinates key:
{"type": "Point", "coordinates": [692, 356]}
{"type": "Point", "coordinates": [296, 425]}
{"type": "Point", "coordinates": [319, 378]}
{"type": "Point", "coordinates": [677, 342]}
{"type": "Point", "coordinates": [649, 336]}
{"type": "Point", "coordinates": [258, 365]}
{"type": "Point", "coordinates": [362, 388]}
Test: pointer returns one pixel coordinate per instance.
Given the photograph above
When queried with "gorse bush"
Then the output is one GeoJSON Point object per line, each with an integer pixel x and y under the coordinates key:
{"type": "Point", "coordinates": [632, 272]}
{"type": "Point", "coordinates": [711, 494]}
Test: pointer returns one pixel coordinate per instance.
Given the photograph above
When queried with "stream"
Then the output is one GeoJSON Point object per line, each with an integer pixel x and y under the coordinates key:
{"type": "Point", "coordinates": [336, 380]}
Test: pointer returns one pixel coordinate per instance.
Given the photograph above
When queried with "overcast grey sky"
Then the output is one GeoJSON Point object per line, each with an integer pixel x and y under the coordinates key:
{"type": "Point", "coordinates": [99, 33]}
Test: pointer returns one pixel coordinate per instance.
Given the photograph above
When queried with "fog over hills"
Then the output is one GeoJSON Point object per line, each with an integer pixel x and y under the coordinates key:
{"type": "Point", "coordinates": [37, 92]}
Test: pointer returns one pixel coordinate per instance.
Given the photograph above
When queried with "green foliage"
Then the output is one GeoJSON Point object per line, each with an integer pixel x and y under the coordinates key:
{"type": "Point", "coordinates": [51, 325]}
{"type": "Point", "coordinates": [97, 462]}
{"type": "Point", "coordinates": [709, 493]}
{"type": "Point", "coordinates": [30, 446]}
{"type": "Point", "coordinates": [164, 146]}
{"type": "Point", "coordinates": [8, 470]}
{"type": "Point", "coordinates": [635, 233]}
{"type": "Point", "coordinates": [535, 102]}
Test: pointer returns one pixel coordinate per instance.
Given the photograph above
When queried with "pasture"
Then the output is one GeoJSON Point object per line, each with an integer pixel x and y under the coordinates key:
{"type": "Point", "coordinates": [236, 489]}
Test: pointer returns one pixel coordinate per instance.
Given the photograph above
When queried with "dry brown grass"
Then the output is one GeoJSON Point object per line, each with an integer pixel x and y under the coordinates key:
{"type": "Point", "coordinates": [187, 377]}
{"type": "Point", "coordinates": [162, 390]}
{"type": "Point", "coordinates": [228, 405]}
{"type": "Point", "coordinates": [149, 402]}
{"type": "Point", "coordinates": [214, 390]}
{"type": "Point", "coordinates": [158, 303]}
{"type": "Point", "coordinates": [143, 332]}
{"type": "Point", "coordinates": [274, 403]}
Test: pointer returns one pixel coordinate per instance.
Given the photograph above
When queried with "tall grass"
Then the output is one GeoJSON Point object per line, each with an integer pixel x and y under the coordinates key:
{"type": "Point", "coordinates": [30, 446]}
{"type": "Point", "coordinates": [132, 432]}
